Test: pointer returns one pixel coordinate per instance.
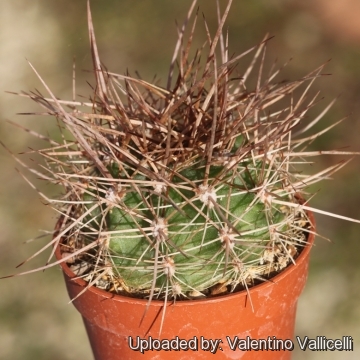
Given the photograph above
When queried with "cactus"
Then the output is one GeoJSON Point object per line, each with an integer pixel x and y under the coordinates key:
{"type": "Point", "coordinates": [188, 190]}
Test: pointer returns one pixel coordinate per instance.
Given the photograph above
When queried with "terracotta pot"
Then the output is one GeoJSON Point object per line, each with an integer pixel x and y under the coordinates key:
{"type": "Point", "coordinates": [112, 320]}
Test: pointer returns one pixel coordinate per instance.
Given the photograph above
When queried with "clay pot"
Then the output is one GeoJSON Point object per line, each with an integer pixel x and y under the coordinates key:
{"type": "Point", "coordinates": [115, 330]}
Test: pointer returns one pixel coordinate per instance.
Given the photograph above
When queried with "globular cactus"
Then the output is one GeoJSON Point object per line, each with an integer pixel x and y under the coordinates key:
{"type": "Point", "coordinates": [186, 190]}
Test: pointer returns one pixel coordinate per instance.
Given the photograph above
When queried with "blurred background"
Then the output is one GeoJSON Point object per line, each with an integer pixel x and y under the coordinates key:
{"type": "Point", "coordinates": [36, 321]}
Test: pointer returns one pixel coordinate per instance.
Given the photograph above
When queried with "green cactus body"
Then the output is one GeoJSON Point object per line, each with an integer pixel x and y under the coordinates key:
{"type": "Point", "coordinates": [188, 235]}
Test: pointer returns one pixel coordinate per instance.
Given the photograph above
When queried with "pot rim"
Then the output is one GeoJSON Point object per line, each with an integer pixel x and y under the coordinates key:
{"type": "Point", "coordinates": [154, 302]}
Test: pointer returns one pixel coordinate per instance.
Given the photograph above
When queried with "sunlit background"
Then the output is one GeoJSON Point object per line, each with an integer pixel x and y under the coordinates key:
{"type": "Point", "coordinates": [36, 322]}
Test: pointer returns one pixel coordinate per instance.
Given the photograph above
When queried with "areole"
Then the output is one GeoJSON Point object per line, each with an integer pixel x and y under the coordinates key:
{"type": "Point", "coordinates": [223, 327]}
